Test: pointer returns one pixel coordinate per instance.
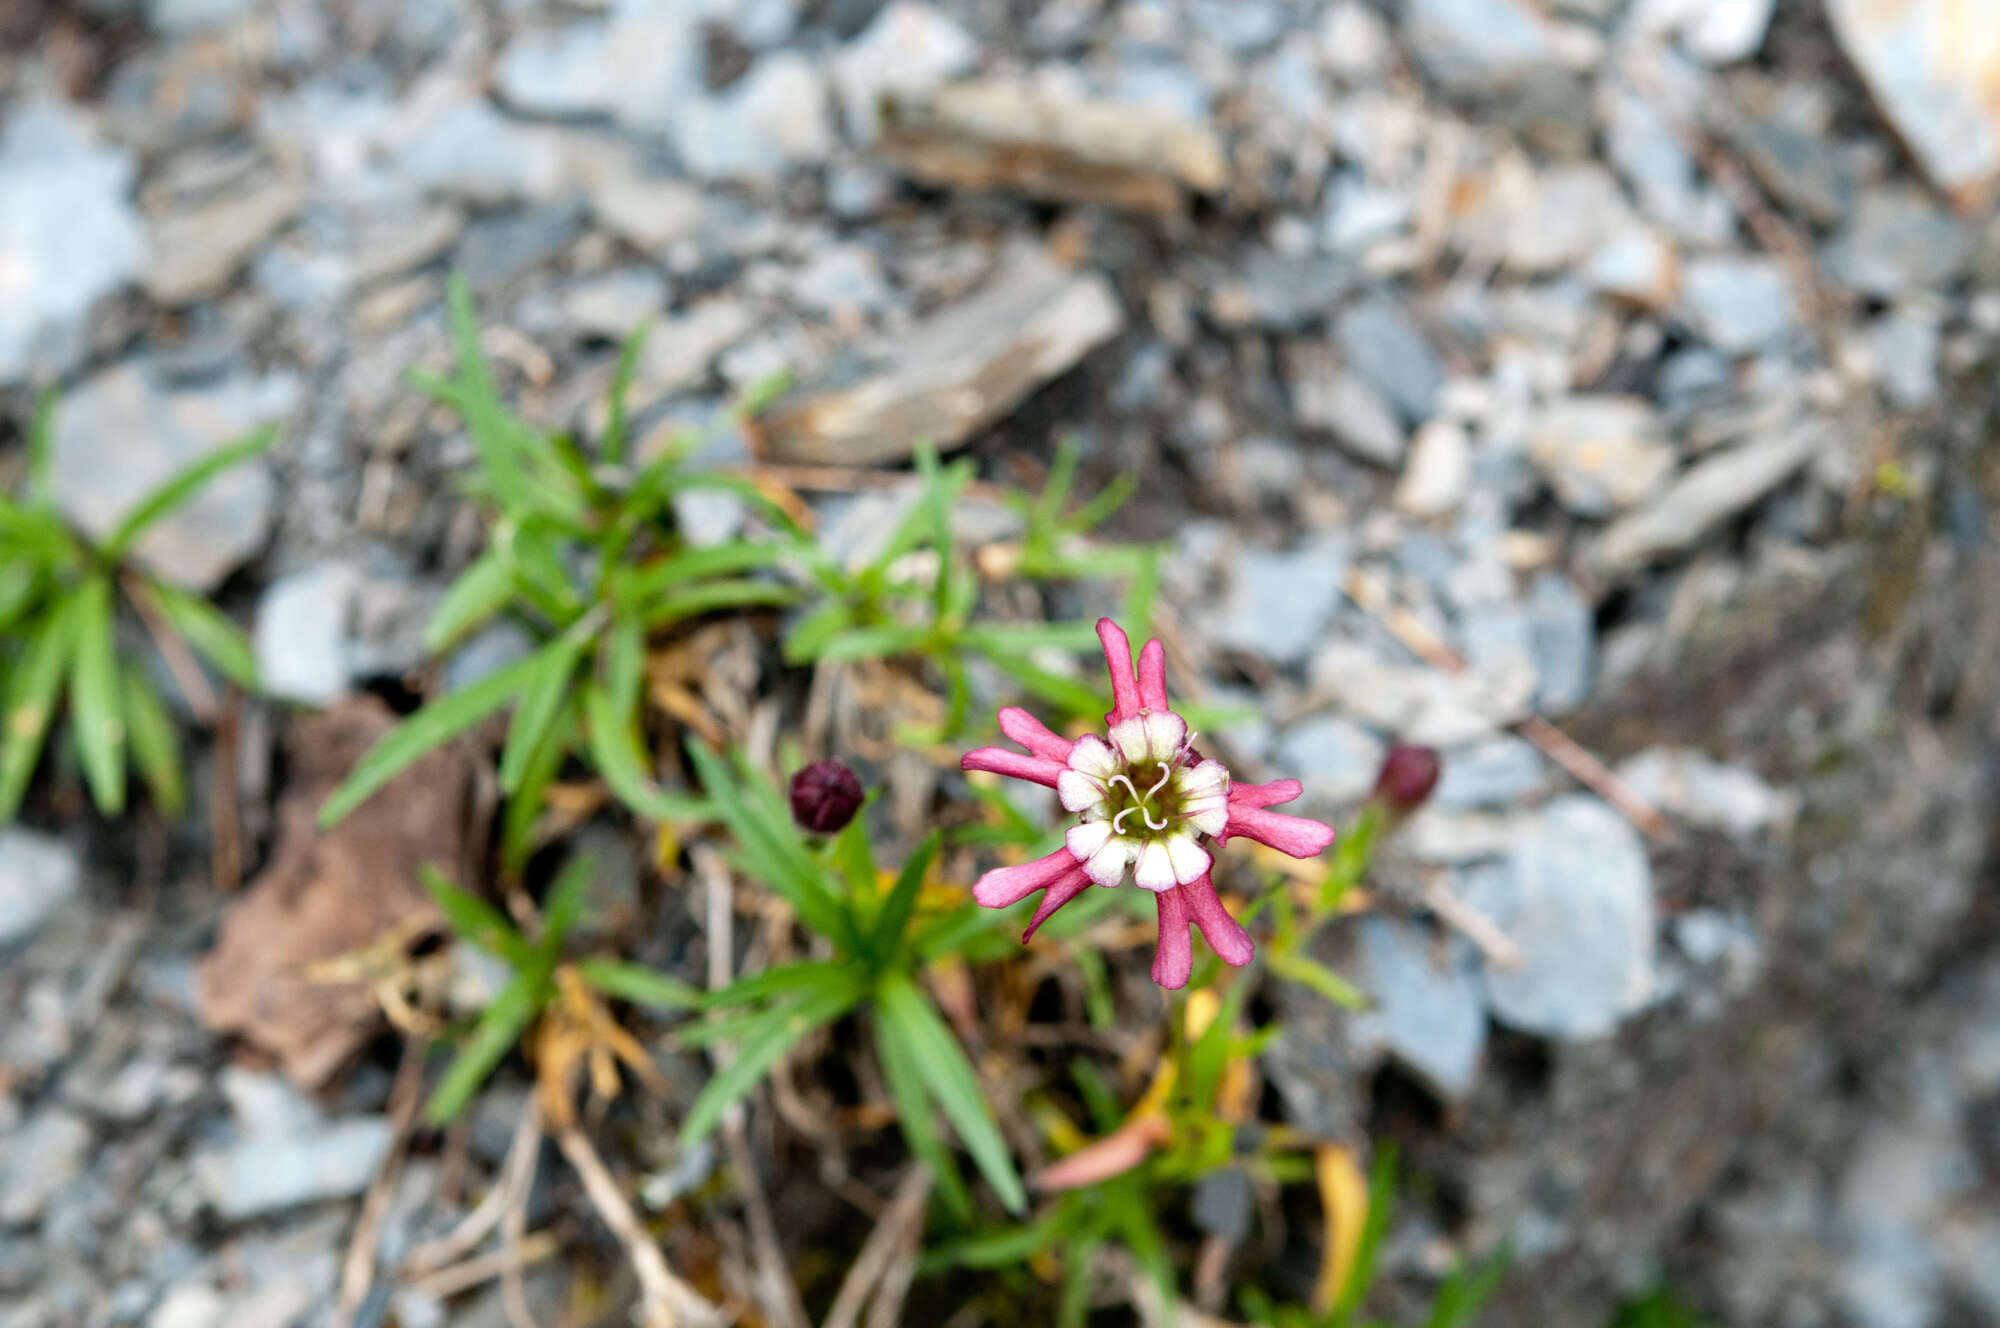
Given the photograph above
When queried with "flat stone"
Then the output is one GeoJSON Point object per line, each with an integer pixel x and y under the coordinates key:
{"type": "Point", "coordinates": [195, 253]}
{"type": "Point", "coordinates": [957, 372]}
{"type": "Point", "coordinates": [681, 350]}
{"type": "Point", "coordinates": [388, 246]}
{"type": "Point", "coordinates": [504, 247]}
{"type": "Point", "coordinates": [1426, 1006]}
{"type": "Point", "coordinates": [1931, 66]}
{"type": "Point", "coordinates": [68, 238]}
{"type": "Point", "coordinates": [302, 637]}
{"type": "Point", "coordinates": [180, 17]}
{"type": "Point", "coordinates": [1382, 345]}
{"type": "Point", "coordinates": [1333, 756]}
{"type": "Point", "coordinates": [1439, 471]}
{"type": "Point", "coordinates": [467, 150]}
{"type": "Point", "coordinates": [1279, 292]}
{"type": "Point", "coordinates": [1562, 215]}
{"type": "Point", "coordinates": [1801, 168]}
{"type": "Point", "coordinates": [1642, 144]}
{"type": "Point", "coordinates": [1710, 492]}
{"type": "Point", "coordinates": [1905, 347]}
{"type": "Point", "coordinates": [651, 212]}
{"type": "Point", "coordinates": [1601, 454]}
{"type": "Point", "coordinates": [193, 1304]}
{"type": "Point", "coordinates": [910, 48]}
{"type": "Point", "coordinates": [612, 305]}
{"type": "Point", "coordinates": [1046, 142]}
{"type": "Point", "coordinates": [1277, 605]}
{"type": "Point", "coordinates": [1325, 396]}
{"type": "Point", "coordinates": [1738, 305]}
{"type": "Point", "coordinates": [39, 1161]}
{"type": "Point", "coordinates": [1563, 632]}
{"type": "Point", "coordinates": [121, 435]}
{"type": "Point", "coordinates": [271, 1173]}
{"type": "Point", "coordinates": [1496, 773]}
{"type": "Point", "coordinates": [1449, 837]}
{"type": "Point", "coordinates": [38, 874]}
{"type": "Point", "coordinates": [770, 120]}
{"type": "Point", "coordinates": [1716, 32]}
{"type": "Point", "coordinates": [1413, 701]}
{"type": "Point", "coordinates": [1638, 265]}
{"type": "Point", "coordinates": [1692, 787]}
{"type": "Point", "coordinates": [841, 280]}
{"type": "Point", "coordinates": [1576, 899]}
{"type": "Point", "coordinates": [558, 71]}
{"type": "Point", "coordinates": [1482, 46]}
{"type": "Point", "coordinates": [1897, 241]}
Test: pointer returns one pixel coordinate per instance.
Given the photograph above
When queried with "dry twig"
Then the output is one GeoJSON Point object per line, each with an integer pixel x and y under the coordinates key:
{"type": "Point", "coordinates": [900, 1226]}
{"type": "Point", "coordinates": [665, 1301]}
{"type": "Point", "coordinates": [516, 1174]}
{"type": "Point", "coordinates": [357, 1271]}
{"type": "Point", "coordinates": [460, 1277]}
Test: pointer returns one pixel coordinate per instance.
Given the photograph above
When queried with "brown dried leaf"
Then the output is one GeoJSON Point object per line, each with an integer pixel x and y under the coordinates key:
{"type": "Point", "coordinates": [333, 894]}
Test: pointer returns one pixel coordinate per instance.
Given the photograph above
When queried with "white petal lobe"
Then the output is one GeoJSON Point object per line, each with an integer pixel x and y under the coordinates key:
{"type": "Point", "coordinates": [1155, 870]}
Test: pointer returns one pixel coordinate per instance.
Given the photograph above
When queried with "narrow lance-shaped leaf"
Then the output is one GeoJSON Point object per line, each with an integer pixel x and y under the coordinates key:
{"type": "Point", "coordinates": [780, 1031]}
{"type": "Point", "coordinates": [430, 728]}
{"type": "Point", "coordinates": [951, 1080]}
{"type": "Point", "coordinates": [639, 985]}
{"type": "Point", "coordinates": [615, 751]}
{"type": "Point", "coordinates": [155, 745]}
{"type": "Point", "coordinates": [481, 591]}
{"type": "Point", "coordinates": [500, 1026]}
{"type": "Point", "coordinates": [41, 450]}
{"type": "Point", "coordinates": [204, 627]}
{"type": "Point", "coordinates": [915, 1117]}
{"type": "Point", "coordinates": [476, 920]}
{"type": "Point", "coordinates": [181, 487]}
{"type": "Point", "coordinates": [621, 384]}
{"type": "Point", "coordinates": [541, 703]}
{"type": "Point", "coordinates": [902, 900]}
{"type": "Point", "coordinates": [97, 711]}
{"type": "Point", "coordinates": [31, 703]}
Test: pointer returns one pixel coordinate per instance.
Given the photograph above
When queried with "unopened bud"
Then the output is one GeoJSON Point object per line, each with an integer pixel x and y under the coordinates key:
{"type": "Point", "coordinates": [1409, 773]}
{"type": "Point", "coordinates": [825, 796]}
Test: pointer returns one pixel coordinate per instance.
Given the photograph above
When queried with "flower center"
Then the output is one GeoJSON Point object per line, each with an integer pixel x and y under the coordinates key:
{"type": "Point", "coordinates": [1142, 803]}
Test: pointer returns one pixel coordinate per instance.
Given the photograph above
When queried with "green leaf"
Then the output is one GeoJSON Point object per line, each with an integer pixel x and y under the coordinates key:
{"type": "Point", "coordinates": [476, 920]}
{"type": "Point", "coordinates": [621, 383]}
{"type": "Point", "coordinates": [207, 630]}
{"type": "Point", "coordinates": [155, 744]}
{"type": "Point", "coordinates": [913, 1114]}
{"type": "Point", "coordinates": [563, 908]}
{"type": "Point", "coordinates": [1073, 1309]}
{"type": "Point", "coordinates": [481, 591]}
{"type": "Point", "coordinates": [1108, 500]}
{"type": "Point", "coordinates": [1381, 1207]}
{"type": "Point", "coordinates": [1009, 1246]}
{"type": "Point", "coordinates": [472, 395]}
{"type": "Point", "coordinates": [1209, 1055]}
{"type": "Point", "coordinates": [778, 1032]}
{"type": "Point", "coordinates": [541, 703]}
{"type": "Point", "coordinates": [20, 588]}
{"type": "Point", "coordinates": [950, 1078]}
{"type": "Point", "coordinates": [1466, 1291]}
{"type": "Point", "coordinates": [950, 934]}
{"type": "Point", "coordinates": [524, 805]}
{"type": "Point", "coordinates": [41, 450]}
{"type": "Point", "coordinates": [428, 729]}
{"type": "Point", "coordinates": [181, 487]}
{"type": "Point", "coordinates": [872, 643]}
{"type": "Point", "coordinates": [710, 596]}
{"type": "Point", "coordinates": [811, 974]}
{"type": "Point", "coordinates": [673, 573]}
{"type": "Point", "coordinates": [1021, 638]}
{"type": "Point", "coordinates": [771, 848]}
{"type": "Point", "coordinates": [1311, 973]}
{"type": "Point", "coordinates": [31, 703]}
{"type": "Point", "coordinates": [615, 751]}
{"type": "Point", "coordinates": [1073, 697]}
{"type": "Point", "coordinates": [1046, 510]}
{"type": "Point", "coordinates": [902, 900]}
{"type": "Point", "coordinates": [623, 659]}
{"type": "Point", "coordinates": [97, 712]}
{"type": "Point", "coordinates": [639, 985]}
{"type": "Point", "coordinates": [500, 1026]}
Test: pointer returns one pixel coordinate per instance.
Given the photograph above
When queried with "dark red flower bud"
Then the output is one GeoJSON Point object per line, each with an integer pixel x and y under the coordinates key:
{"type": "Point", "coordinates": [1409, 773]}
{"type": "Point", "coordinates": [825, 796]}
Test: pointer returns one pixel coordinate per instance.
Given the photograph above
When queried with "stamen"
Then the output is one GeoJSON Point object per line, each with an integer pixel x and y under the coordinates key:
{"type": "Point", "coordinates": [1166, 773]}
{"type": "Point", "coordinates": [1118, 821]}
{"type": "Point", "coordinates": [1129, 786]}
{"type": "Point", "coordinates": [1147, 812]}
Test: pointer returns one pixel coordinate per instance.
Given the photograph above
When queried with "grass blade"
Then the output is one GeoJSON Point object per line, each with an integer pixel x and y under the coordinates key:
{"type": "Point", "coordinates": [709, 596]}
{"type": "Point", "coordinates": [563, 908]}
{"type": "Point", "coordinates": [771, 850]}
{"type": "Point", "coordinates": [913, 1114]}
{"type": "Point", "coordinates": [950, 1078]}
{"type": "Point", "coordinates": [41, 450]}
{"type": "Point", "coordinates": [481, 591]}
{"type": "Point", "coordinates": [615, 751]}
{"type": "Point", "coordinates": [621, 384]}
{"type": "Point", "coordinates": [181, 487]}
{"type": "Point", "coordinates": [524, 805]}
{"type": "Point", "coordinates": [97, 711]}
{"type": "Point", "coordinates": [156, 748]}
{"type": "Point", "coordinates": [788, 978]}
{"type": "Point", "coordinates": [475, 920]}
{"type": "Point", "coordinates": [902, 901]}
{"type": "Point", "coordinates": [1320, 978]}
{"type": "Point", "coordinates": [500, 1026]}
{"type": "Point", "coordinates": [430, 728]}
{"type": "Point", "coordinates": [777, 1033]}
{"type": "Point", "coordinates": [541, 705]}
{"type": "Point", "coordinates": [639, 985]}
{"type": "Point", "coordinates": [205, 628]}
{"type": "Point", "coordinates": [31, 704]}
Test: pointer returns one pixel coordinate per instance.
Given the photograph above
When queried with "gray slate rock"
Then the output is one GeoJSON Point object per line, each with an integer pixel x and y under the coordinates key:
{"type": "Point", "coordinates": [1496, 773]}
{"type": "Point", "coordinates": [1563, 633]}
{"type": "Point", "coordinates": [1739, 305]}
{"type": "Point", "coordinates": [123, 433]}
{"type": "Point", "coordinates": [1428, 1014]}
{"type": "Point", "coordinates": [1707, 494]}
{"type": "Point", "coordinates": [1576, 898]}
{"type": "Point", "coordinates": [1334, 757]}
{"type": "Point", "coordinates": [1278, 605]}
{"type": "Point", "coordinates": [1601, 454]}
{"type": "Point", "coordinates": [38, 874]}
{"type": "Point", "coordinates": [558, 72]}
{"type": "Point", "coordinates": [302, 637]}
{"type": "Point", "coordinates": [195, 253]}
{"type": "Point", "coordinates": [772, 119]}
{"type": "Point", "coordinates": [179, 17]}
{"type": "Point", "coordinates": [38, 1161]}
{"type": "Point", "coordinates": [68, 238]}
{"type": "Point", "coordinates": [1384, 346]}
{"type": "Point", "coordinates": [1481, 46]}
{"type": "Point", "coordinates": [287, 1152]}
{"type": "Point", "coordinates": [467, 150]}
{"type": "Point", "coordinates": [910, 47]}
{"type": "Point", "coordinates": [1897, 240]}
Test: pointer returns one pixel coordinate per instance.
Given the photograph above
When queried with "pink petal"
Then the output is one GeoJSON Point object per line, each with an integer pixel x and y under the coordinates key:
{"type": "Point", "coordinates": [1000, 761]}
{"type": "Point", "coordinates": [1118, 659]}
{"type": "Point", "coordinates": [1005, 886]}
{"type": "Point", "coordinates": [1288, 834]}
{"type": "Point", "coordinates": [1225, 934]}
{"type": "Point", "coordinates": [1265, 795]}
{"type": "Point", "coordinates": [1064, 889]}
{"type": "Point", "coordinates": [1031, 733]}
{"type": "Point", "coordinates": [1173, 961]}
{"type": "Point", "coordinates": [1153, 676]}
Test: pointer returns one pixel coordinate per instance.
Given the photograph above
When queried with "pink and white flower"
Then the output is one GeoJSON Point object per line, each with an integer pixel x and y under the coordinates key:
{"type": "Point", "coordinates": [1148, 806]}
